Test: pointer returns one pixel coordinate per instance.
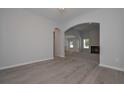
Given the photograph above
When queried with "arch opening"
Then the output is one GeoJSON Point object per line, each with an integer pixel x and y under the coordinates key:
{"type": "Point", "coordinates": [83, 40]}
{"type": "Point", "coordinates": [56, 42]}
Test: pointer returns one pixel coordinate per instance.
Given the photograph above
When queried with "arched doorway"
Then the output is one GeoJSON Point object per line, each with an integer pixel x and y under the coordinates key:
{"type": "Point", "coordinates": [83, 39]}
{"type": "Point", "coordinates": [56, 42]}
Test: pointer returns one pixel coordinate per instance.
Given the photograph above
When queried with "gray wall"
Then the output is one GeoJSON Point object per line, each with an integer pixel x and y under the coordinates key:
{"type": "Point", "coordinates": [24, 37]}
{"type": "Point", "coordinates": [111, 34]}
{"type": "Point", "coordinates": [57, 42]}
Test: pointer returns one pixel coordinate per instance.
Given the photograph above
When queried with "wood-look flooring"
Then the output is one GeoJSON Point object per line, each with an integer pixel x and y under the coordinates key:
{"type": "Point", "coordinates": [74, 69]}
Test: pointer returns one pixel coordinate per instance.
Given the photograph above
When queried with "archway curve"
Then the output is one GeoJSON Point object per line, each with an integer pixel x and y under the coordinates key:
{"type": "Point", "coordinates": [80, 24]}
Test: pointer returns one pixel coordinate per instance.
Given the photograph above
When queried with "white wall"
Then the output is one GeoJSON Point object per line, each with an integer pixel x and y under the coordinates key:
{"type": "Point", "coordinates": [122, 35]}
{"type": "Point", "coordinates": [24, 37]}
{"type": "Point", "coordinates": [111, 29]}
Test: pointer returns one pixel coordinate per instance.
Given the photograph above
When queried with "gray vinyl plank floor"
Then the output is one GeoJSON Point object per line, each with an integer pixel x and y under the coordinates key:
{"type": "Point", "coordinates": [73, 69]}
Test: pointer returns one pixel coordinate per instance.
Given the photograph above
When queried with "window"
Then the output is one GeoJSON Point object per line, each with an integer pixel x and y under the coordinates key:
{"type": "Point", "coordinates": [86, 43]}
{"type": "Point", "coordinates": [71, 44]}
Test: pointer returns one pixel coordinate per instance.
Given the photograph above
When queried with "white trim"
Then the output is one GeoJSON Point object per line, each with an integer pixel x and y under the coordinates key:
{"type": "Point", "coordinates": [111, 67]}
{"type": "Point", "coordinates": [61, 56]}
{"type": "Point", "coordinates": [22, 64]}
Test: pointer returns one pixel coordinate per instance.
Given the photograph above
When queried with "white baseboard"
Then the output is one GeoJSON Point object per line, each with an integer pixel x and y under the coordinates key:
{"type": "Point", "coordinates": [22, 64]}
{"type": "Point", "coordinates": [111, 67]}
{"type": "Point", "coordinates": [61, 56]}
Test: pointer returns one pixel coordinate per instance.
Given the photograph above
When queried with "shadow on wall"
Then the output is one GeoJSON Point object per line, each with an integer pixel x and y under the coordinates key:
{"type": "Point", "coordinates": [83, 38]}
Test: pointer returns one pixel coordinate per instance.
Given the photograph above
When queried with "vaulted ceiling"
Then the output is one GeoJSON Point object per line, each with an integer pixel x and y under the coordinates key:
{"type": "Point", "coordinates": [55, 15]}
